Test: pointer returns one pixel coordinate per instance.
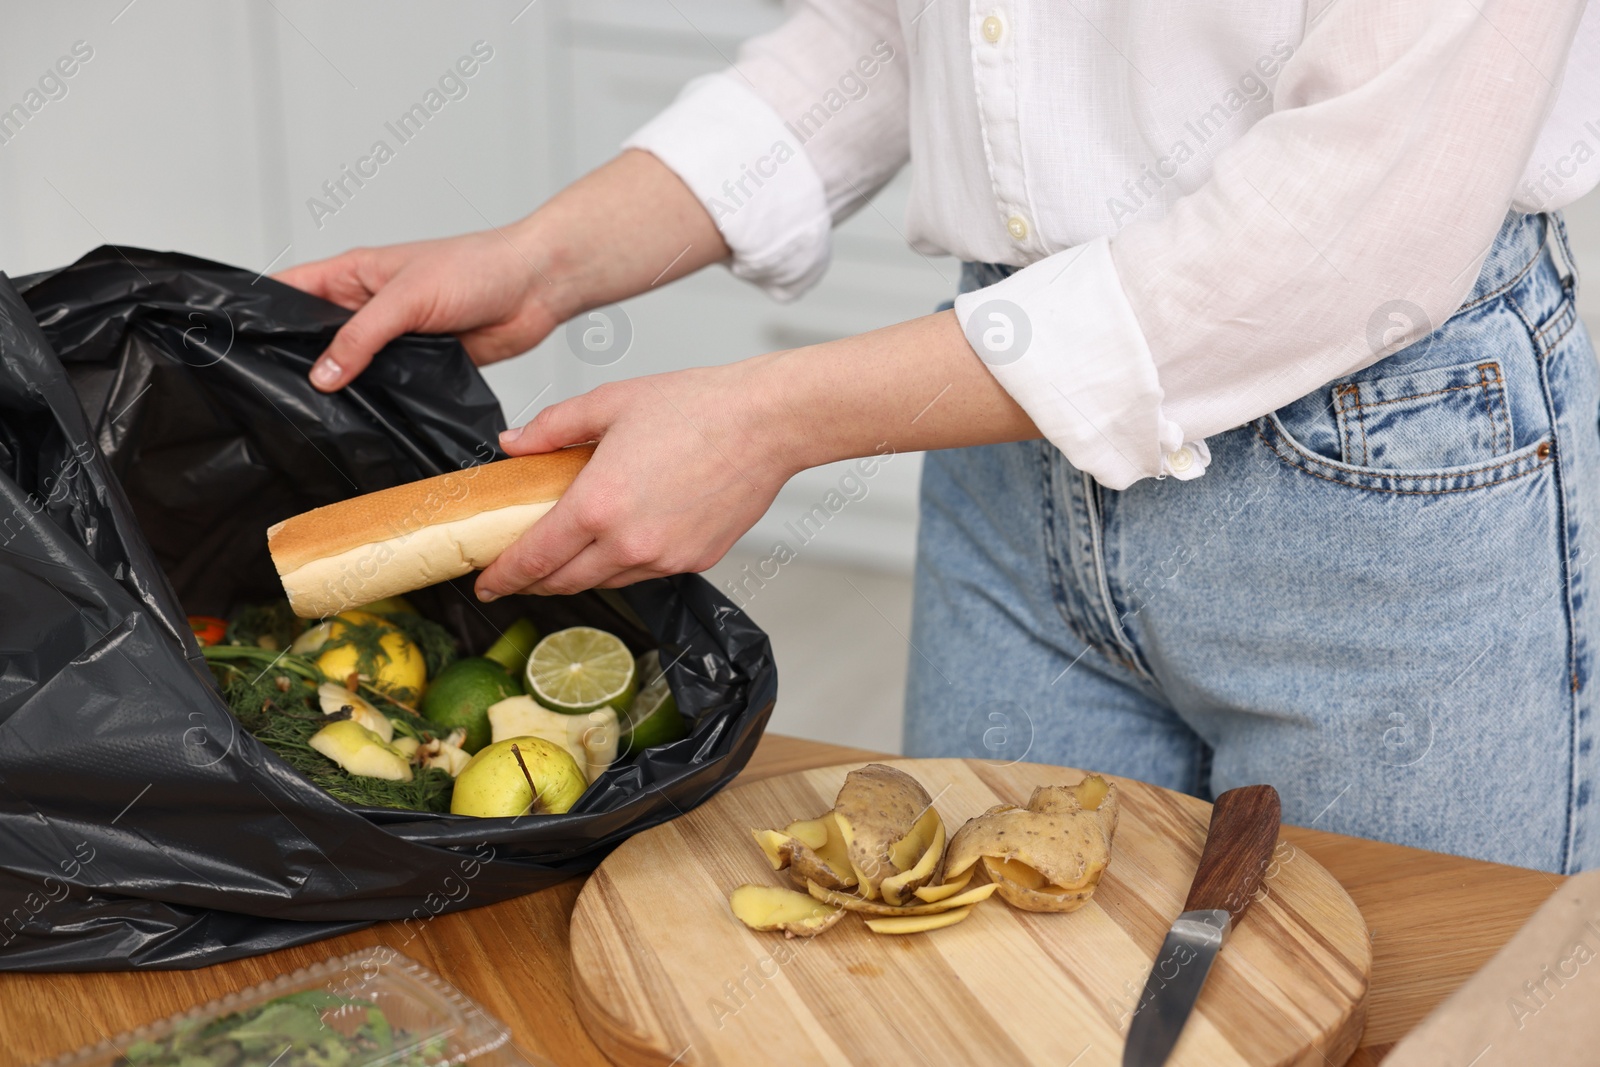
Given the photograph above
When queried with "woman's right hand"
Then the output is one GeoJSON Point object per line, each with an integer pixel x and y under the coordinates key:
{"type": "Point", "coordinates": [623, 228]}
{"type": "Point", "coordinates": [481, 287]}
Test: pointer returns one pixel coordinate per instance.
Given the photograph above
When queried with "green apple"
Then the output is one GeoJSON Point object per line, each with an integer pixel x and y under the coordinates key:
{"type": "Point", "coordinates": [496, 784]}
{"type": "Point", "coordinates": [591, 737]}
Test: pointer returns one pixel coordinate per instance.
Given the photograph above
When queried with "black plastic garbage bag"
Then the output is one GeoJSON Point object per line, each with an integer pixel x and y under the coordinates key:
{"type": "Point", "coordinates": [139, 825]}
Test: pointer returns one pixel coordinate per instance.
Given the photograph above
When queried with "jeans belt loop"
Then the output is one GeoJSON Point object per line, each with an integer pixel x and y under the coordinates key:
{"type": "Point", "coordinates": [1563, 247]}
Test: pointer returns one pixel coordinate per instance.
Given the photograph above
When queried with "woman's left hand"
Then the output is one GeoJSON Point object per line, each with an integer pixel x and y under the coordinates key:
{"type": "Point", "coordinates": [686, 463]}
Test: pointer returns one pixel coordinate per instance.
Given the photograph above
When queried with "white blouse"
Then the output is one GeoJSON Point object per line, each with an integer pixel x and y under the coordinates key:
{"type": "Point", "coordinates": [1219, 205]}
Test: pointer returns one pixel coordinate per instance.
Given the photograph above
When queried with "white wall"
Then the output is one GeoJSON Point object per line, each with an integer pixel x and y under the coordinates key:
{"type": "Point", "coordinates": [1583, 228]}
{"type": "Point", "coordinates": [205, 128]}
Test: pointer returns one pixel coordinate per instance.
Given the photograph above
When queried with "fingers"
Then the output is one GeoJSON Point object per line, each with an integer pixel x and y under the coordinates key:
{"type": "Point", "coordinates": [571, 422]}
{"type": "Point", "coordinates": [392, 311]}
{"type": "Point", "coordinates": [552, 542]}
{"type": "Point", "coordinates": [603, 564]}
{"type": "Point", "coordinates": [585, 549]}
{"type": "Point", "coordinates": [627, 577]}
{"type": "Point", "coordinates": [364, 281]}
{"type": "Point", "coordinates": [343, 279]}
{"type": "Point", "coordinates": [315, 278]}
{"type": "Point", "coordinates": [596, 567]}
{"type": "Point", "coordinates": [563, 542]}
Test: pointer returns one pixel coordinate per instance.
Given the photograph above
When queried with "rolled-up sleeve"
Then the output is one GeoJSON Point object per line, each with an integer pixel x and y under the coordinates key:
{"type": "Point", "coordinates": [808, 123]}
{"type": "Point", "coordinates": [1398, 136]}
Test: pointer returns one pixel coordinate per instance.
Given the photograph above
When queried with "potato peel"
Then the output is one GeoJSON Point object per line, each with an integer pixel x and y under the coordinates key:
{"type": "Point", "coordinates": [1047, 856]}
{"type": "Point", "coordinates": [884, 852]}
{"type": "Point", "coordinates": [935, 893]}
{"type": "Point", "coordinates": [906, 852]}
{"type": "Point", "coordinates": [811, 849]}
{"type": "Point", "coordinates": [896, 888]}
{"type": "Point", "coordinates": [827, 861]}
{"type": "Point", "coordinates": [1030, 892]}
{"type": "Point", "coordinates": [916, 924]}
{"type": "Point", "coordinates": [813, 833]}
{"type": "Point", "coordinates": [767, 908]}
{"type": "Point", "coordinates": [775, 846]}
{"type": "Point", "coordinates": [850, 902]}
{"type": "Point", "coordinates": [878, 808]}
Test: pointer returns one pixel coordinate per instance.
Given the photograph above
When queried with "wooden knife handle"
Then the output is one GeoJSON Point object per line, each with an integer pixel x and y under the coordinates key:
{"type": "Point", "coordinates": [1239, 846]}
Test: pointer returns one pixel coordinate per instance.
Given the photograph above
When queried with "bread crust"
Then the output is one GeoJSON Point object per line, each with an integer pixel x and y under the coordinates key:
{"type": "Point", "coordinates": [404, 509]}
{"type": "Point", "coordinates": [400, 539]}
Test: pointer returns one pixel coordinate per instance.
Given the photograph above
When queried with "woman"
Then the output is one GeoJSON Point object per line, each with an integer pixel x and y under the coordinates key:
{"type": "Point", "coordinates": [1264, 429]}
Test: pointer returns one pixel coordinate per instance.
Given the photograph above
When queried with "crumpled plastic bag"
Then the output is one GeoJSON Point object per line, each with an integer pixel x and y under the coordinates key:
{"type": "Point", "coordinates": [155, 418]}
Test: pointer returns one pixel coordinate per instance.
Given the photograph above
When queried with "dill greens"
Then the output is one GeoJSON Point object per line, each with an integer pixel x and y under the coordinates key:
{"type": "Point", "coordinates": [272, 626]}
{"type": "Point", "coordinates": [365, 637]}
{"type": "Point", "coordinates": [367, 640]}
{"type": "Point", "coordinates": [408, 722]}
{"type": "Point", "coordinates": [438, 647]}
{"type": "Point", "coordinates": [274, 696]}
{"type": "Point", "coordinates": [289, 735]}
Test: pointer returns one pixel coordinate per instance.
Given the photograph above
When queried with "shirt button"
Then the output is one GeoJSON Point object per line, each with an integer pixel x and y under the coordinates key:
{"type": "Point", "coordinates": [992, 28]}
{"type": "Point", "coordinates": [1017, 227]}
{"type": "Point", "coordinates": [1181, 460]}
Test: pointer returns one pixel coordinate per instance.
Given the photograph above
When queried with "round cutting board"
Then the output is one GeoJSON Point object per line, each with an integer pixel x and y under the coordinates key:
{"type": "Point", "coordinates": [664, 974]}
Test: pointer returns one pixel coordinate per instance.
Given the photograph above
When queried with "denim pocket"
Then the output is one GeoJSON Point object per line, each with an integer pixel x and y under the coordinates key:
{"type": "Point", "coordinates": [1271, 432]}
{"type": "Point", "coordinates": [1426, 420]}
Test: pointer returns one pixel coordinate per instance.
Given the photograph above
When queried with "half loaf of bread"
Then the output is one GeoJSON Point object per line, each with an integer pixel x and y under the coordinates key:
{"type": "Point", "coordinates": [396, 540]}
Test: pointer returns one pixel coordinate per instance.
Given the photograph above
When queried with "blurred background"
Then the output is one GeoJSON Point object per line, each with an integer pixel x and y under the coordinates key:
{"type": "Point", "coordinates": [211, 129]}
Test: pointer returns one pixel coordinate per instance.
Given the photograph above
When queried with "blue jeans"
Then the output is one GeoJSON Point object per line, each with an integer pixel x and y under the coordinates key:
{"type": "Point", "coordinates": [1375, 599]}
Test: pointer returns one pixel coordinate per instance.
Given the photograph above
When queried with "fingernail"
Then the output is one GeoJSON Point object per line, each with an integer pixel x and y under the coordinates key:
{"type": "Point", "coordinates": [487, 597]}
{"type": "Point", "coordinates": [326, 372]}
{"type": "Point", "coordinates": [508, 436]}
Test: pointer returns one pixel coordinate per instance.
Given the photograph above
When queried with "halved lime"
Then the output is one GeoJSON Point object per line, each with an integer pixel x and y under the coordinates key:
{"type": "Point", "coordinates": [653, 718]}
{"type": "Point", "coordinates": [580, 669]}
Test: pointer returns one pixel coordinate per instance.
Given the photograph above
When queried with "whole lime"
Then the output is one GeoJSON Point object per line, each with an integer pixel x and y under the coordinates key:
{"type": "Point", "coordinates": [460, 697]}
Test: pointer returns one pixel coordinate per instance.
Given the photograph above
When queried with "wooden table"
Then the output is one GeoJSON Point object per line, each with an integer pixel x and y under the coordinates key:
{"type": "Point", "coordinates": [1435, 919]}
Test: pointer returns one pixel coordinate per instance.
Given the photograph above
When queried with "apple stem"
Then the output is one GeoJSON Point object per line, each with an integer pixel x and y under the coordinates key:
{"type": "Point", "coordinates": [517, 752]}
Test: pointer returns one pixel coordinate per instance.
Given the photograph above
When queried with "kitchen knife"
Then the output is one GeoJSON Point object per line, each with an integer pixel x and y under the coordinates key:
{"type": "Point", "coordinates": [1238, 848]}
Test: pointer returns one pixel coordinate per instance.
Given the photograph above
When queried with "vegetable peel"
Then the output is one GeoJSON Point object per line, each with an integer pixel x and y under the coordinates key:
{"type": "Point", "coordinates": [851, 902]}
{"type": "Point", "coordinates": [878, 808]}
{"type": "Point", "coordinates": [933, 893]}
{"type": "Point", "coordinates": [766, 907]}
{"type": "Point", "coordinates": [917, 924]}
{"type": "Point", "coordinates": [1048, 855]}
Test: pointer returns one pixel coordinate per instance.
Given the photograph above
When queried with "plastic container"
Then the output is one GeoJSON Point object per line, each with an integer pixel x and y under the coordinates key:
{"type": "Point", "coordinates": [296, 1019]}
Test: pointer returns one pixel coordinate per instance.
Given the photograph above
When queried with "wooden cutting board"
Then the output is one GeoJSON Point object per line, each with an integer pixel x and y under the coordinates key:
{"type": "Point", "coordinates": [664, 974]}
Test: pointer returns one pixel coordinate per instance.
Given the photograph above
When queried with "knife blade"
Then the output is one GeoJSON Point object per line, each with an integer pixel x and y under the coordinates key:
{"type": "Point", "coordinates": [1239, 845]}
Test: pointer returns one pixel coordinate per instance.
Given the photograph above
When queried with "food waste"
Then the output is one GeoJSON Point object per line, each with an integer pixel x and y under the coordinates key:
{"type": "Point", "coordinates": [882, 851]}
{"type": "Point", "coordinates": [375, 706]}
